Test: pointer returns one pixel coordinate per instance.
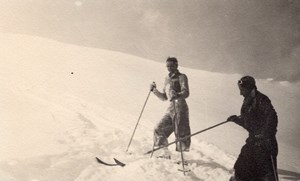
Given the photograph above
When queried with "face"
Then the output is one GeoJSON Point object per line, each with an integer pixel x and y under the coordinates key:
{"type": "Point", "coordinates": [244, 92]}
{"type": "Point", "coordinates": [172, 67]}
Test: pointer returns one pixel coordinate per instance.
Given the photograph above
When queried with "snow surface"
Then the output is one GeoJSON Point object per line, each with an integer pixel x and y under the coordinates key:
{"type": "Point", "coordinates": [62, 105]}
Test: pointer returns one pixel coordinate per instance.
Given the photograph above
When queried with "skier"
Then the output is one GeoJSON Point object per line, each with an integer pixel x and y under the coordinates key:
{"type": "Point", "coordinates": [257, 160]}
{"type": "Point", "coordinates": [176, 119]}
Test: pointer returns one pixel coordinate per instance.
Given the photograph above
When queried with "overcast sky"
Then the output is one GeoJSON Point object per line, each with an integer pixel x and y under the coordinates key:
{"type": "Point", "coordinates": [257, 37]}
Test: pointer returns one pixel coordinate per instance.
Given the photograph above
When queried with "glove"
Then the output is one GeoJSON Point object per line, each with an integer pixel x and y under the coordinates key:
{"type": "Point", "coordinates": [233, 118]}
{"type": "Point", "coordinates": [152, 86]}
{"type": "Point", "coordinates": [173, 95]}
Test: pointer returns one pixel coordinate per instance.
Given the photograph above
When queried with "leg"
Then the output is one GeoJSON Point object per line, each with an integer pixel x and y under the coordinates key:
{"type": "Point", "coordinates": [266, 164]}
{"type": "Point", "coordinates": [245, 165]}
{"type": "Point", "coordinates": [183, 129]}
{"type": "Point", "coordinates": [162, 131]}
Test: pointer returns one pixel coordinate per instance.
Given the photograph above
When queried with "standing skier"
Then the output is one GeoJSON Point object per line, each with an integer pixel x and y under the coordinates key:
{"type": "Point", "coordinates": [176, 119]}
{"type": "Point", "coordinates": [257, 160]}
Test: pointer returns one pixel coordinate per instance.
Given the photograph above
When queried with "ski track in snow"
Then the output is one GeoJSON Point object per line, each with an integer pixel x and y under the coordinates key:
{"type": "Point", "coordinates": [85, 140]}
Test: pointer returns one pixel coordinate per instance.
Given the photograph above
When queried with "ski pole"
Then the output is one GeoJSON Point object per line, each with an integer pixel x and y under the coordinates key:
{"type": "Point", "coordinates": [152, 149]}
{"type": "Point", "coordinates": [139, 119]}
{"type": "Point", "coordinates": [177, 136]}
{"type": "Point", "coordinates": [274, 169]}
{"type": "Point", "coordinates": [181, 139]}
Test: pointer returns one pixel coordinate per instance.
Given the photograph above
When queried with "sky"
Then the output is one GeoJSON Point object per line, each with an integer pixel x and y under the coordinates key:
{"type": "Point", "coordinates": [258, 37]}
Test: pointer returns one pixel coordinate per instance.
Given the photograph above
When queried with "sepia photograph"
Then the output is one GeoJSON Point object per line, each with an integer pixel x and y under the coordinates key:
{"type": "Point", "coordinates": [149, 90]}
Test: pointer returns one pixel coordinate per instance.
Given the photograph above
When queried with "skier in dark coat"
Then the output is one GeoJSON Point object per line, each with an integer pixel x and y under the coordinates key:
{"type": "Point", "coordinates": [258, 157]}
{"type": "Point", "coordinates": [176, 119]}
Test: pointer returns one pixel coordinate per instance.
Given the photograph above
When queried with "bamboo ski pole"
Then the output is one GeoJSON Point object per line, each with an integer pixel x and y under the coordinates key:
{"type": "Point", "coordinates": [177, 137]}
{"type": "Point", "coordinates": [138, 120]}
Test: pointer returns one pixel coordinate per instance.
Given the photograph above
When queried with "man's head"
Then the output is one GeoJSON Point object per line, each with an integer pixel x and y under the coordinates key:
{"type": "Point", "coordinates": [172, 64]}
{"type": "Point", "coordinates": [246, 85]}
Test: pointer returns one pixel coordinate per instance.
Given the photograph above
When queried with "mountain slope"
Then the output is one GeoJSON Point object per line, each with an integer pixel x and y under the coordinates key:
{"type": "Point", "coordinates": [62, 105]}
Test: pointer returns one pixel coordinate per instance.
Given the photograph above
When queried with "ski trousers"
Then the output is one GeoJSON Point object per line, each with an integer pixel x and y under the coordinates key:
{"type": "Point", "coordinates": [255, 163]}
{"type": "Point", "coordinates": [176, 120]}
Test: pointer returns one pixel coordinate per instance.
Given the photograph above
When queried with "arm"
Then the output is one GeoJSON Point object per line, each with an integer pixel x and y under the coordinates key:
{"type": "Point", "coordinates": [161, 95]}
{"type": "Point", "coordinates": [185, 92]}
{"type": "Point", "coordinates": [236, 119]}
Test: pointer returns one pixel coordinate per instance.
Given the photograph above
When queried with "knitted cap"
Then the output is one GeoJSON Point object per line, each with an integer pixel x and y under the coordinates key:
{"type": "Point", "coordinates": [247, 82]}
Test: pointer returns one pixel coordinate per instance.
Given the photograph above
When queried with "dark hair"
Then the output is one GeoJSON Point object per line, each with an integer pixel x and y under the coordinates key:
{"type": "Point", "coordinates": [172, 59]}
{"type": "Point", "coordinates": [247, 82]}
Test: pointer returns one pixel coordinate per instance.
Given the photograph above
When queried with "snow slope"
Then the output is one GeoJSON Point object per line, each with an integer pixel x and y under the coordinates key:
{"type": "Point", "coordinates": [61, 105]}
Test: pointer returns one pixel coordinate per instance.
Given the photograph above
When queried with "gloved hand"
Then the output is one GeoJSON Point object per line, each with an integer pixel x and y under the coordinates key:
{"type": "Point", "coordinates": [152, 86]}
{"type": "Point", "coordinates": [173, 95]}
{"type": "Point", "coordinates": [233, 118]}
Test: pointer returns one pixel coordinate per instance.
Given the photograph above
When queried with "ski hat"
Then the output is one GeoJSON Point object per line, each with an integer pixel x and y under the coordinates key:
{"type": "Point", "coordinates": [247, 82]}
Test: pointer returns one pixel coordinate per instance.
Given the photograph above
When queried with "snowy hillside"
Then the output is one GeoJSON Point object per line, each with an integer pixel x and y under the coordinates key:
{"type": "Point", "coordinates": [62, 105]}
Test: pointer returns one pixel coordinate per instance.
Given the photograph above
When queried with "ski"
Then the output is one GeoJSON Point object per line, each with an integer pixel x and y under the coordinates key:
{"type": "Point", "coordinates": [117, 162]}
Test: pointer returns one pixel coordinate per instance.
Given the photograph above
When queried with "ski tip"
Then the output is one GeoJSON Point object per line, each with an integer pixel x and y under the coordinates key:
{"type": "Point", "coordinates": [119, 163]}
{"type": "Point", "coordinates": [98, 160]}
